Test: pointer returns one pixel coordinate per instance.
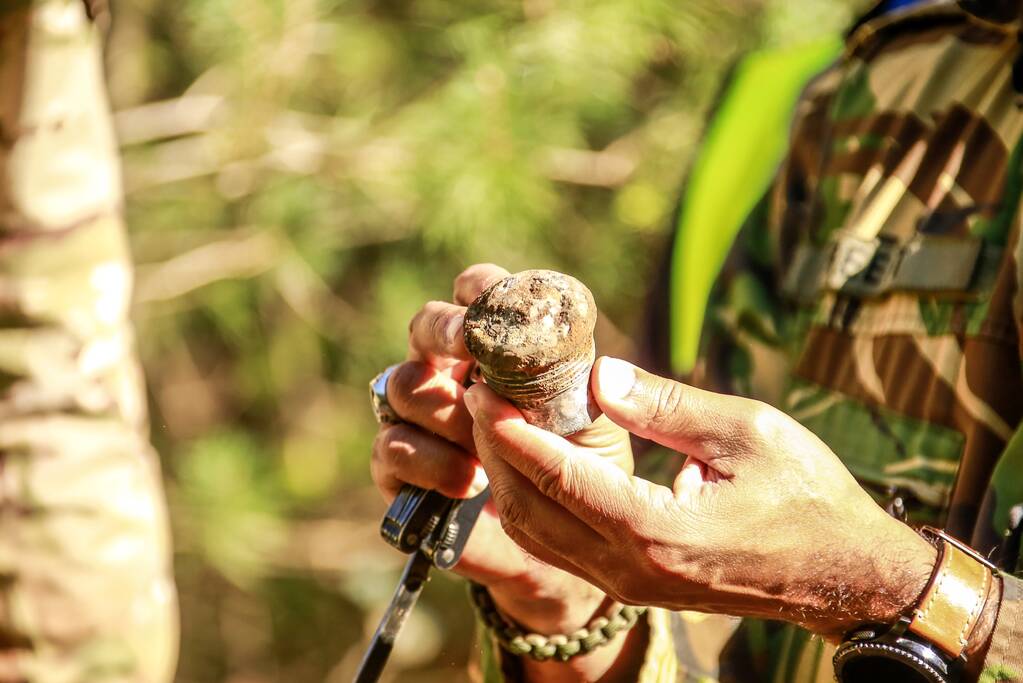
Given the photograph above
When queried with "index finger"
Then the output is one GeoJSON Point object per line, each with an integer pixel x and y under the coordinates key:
{"type": "Point", "coordinates": [473, 280]}
{"type": "Point", "coordinates": [594, 489]}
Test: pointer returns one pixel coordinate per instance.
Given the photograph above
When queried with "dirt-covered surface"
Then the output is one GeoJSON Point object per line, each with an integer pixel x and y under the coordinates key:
{"type": "Point", "coordinates": [529, 321]}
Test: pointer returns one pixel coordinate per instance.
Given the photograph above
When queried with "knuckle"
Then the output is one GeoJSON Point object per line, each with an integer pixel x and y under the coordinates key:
{"type": "Point", "coordinates": [441, 316]}
{"type": "Point", "coordinates": [428, 318]}
{"type": "Point", "coordinates": [478, 272]}
{"type": "Point", "coordinates": [553, 479]}
{"type": "Point", "coordinates": [402, 387]}
{"type": "Point", "coordinates": [669, 401]}
{"type": "Point", "coordinates": [401, 381]}
{"type": "Point", "coordinates": [397, 449]}
{"type": "Point", "coordinates": [475, 279]}
{"type": "Point", "coordinates": [467, 277]}
{"type": "Point", "coordinates": [509, 508]}
{"type": "Point", "coordinates": [766, 423]}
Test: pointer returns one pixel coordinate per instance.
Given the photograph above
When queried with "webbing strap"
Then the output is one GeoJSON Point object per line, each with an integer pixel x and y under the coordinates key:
{"type": "Point", "coordinates": [873, 268]}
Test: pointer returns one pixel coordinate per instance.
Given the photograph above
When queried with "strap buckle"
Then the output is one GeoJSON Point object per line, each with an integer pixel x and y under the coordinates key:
{"type": "Point", "coordinates": [933, 533]}
{"type": "Point", "coordinates": [863, 268]}
{"type": "Point", "coordinates": [869, 268]}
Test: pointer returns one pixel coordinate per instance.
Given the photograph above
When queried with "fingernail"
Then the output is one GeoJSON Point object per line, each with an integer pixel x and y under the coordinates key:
{"type": "Point", "coordinates": [479, 482]}
{"type": "Point", "coordinates": [471, 402]}
{"type": "Point", "coordinates": [615, 378]}
{"type": "Point", "coordinates": [454, 329]}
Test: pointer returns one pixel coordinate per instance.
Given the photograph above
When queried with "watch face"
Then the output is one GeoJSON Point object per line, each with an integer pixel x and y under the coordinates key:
{"type": "Point", "coordinates": [877, 662]}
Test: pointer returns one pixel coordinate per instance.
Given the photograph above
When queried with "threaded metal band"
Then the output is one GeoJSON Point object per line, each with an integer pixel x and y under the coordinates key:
{"type": "Point", "coordinates": [524, 389]}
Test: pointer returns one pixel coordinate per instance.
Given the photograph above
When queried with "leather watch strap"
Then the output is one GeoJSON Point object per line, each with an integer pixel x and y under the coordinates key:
{"type": "Point", "coordinates": [954, 598]}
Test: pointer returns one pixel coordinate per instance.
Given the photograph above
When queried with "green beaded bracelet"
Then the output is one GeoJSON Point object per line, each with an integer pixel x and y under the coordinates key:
{"type": "Point", "coordinates": [562, 647]}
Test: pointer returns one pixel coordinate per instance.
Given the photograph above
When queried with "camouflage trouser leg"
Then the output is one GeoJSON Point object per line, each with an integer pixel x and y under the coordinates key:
{"type": "Point", "coordinates": [85, 587]}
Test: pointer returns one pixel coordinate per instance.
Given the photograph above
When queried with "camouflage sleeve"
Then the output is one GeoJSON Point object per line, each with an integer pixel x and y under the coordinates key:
{"type": "Point", "coordinates": [86, 593]}
{"type": "Point", "coordinates": [1004, 659]}
{"type": "Point", "coordinates": [1003, 506]}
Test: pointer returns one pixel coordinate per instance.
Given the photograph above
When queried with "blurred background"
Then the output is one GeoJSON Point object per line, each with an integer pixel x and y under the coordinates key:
{"type": "Point", "coordinates": [301, 175]}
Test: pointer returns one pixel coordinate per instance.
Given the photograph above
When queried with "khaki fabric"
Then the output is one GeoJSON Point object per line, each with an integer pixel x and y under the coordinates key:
{"type": "Point", "coordinates": [906, 157]}
{"type": "Point", "coordinates": [85, 588]}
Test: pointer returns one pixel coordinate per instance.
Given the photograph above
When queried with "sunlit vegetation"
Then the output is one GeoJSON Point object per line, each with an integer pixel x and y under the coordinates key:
{"type": "Point", "coordinates": [301, 175]}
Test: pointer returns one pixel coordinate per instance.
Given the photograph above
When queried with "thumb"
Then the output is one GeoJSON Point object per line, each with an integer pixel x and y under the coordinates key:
{"type": "Point", "coordinates": [676, 415]}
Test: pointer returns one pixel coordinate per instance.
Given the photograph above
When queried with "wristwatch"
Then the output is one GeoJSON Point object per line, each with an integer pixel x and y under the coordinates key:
{"type": "Point", "coordinates": [926, 645]}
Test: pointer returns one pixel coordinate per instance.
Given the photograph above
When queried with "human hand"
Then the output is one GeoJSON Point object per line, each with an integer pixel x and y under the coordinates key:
{"type": "Point", "coordinates": [433, 448]}
{"type": "Point", "coordinates": [762, 520]}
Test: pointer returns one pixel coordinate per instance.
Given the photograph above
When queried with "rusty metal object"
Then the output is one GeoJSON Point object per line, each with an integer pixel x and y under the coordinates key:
{"type": "Point", "coordinates": [532, 335]}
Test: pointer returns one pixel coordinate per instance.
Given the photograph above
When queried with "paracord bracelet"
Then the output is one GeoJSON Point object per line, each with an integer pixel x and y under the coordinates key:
{"type": "Point", "coordinates": [600, 631]}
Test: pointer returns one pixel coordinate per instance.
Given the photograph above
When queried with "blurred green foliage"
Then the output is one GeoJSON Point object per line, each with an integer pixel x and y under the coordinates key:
{"type": "Point", "coordinates": [301, 176]}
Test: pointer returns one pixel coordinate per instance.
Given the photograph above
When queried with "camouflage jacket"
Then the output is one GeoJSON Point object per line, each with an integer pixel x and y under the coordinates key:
{"type": "Point", "coordinates": [876, 295]}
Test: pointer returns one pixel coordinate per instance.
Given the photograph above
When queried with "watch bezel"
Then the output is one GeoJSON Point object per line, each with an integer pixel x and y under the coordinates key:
{"type": "Point", "coordinates": [897, 644]}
